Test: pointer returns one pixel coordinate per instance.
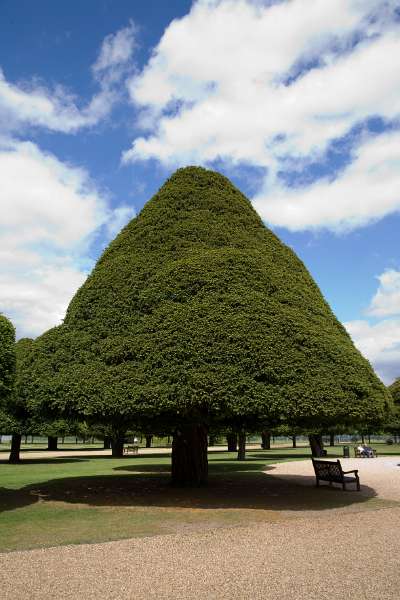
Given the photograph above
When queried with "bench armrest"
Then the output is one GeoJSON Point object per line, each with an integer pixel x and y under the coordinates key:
{"type": "Point", "coordinates": [353, 471]}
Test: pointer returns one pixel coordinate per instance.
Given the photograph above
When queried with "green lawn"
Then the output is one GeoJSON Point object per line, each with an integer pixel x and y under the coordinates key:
{"type": "Point", "coordinates": [36, 446]}
{"type": "Point", "coordinates": [46, 502]}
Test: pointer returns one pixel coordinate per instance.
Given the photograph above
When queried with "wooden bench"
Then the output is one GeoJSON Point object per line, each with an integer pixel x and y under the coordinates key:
{"type": "Point", "coordinates": [331, 471]}
{"type": "Point", "coordinates": [357, 453]}
{"type": "Point", "coordinates": [131, 449]}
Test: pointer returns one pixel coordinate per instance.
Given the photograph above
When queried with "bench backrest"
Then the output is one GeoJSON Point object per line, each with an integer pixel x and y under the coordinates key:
{"type": "Point", "coordinates": [328, 469]}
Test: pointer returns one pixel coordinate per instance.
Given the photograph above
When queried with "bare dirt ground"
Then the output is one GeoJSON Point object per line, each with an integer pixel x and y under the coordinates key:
{"type": "Point", "coordinates": [334, 553]}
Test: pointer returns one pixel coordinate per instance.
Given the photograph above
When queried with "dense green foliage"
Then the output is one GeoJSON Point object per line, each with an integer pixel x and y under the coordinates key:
{"type": "Point", "coordinates": [395, 390]}
{"type": "Point", "coordinates": [7, 371]}
{"type": "Point", "coordinates": [196, 311]}
{"type": "Point", "coordinates": [19, 408]}
{"type": "Point", "coordinates": [393, 424]}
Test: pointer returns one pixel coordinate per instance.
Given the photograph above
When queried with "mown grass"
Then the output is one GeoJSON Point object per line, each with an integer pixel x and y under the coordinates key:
{"type": "Point", "coordinates": [46, 502]}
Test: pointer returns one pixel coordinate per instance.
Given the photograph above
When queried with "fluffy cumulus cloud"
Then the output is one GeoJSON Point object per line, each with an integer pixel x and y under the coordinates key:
{"type": "Point", "coordinates": [56, 109]}
{"type": "Point", "coordinates": [380, 344]}
{"type": "Point", "coordinates": [367, 190]}
{"type": "Point", "coordinates": [379, 341]}
{"type": "Point", "coordinates": [50, 213]}
{"type": "Point", "coordinates": [115, 54]}
{"type": "Point", "coordinates": [386, 301]}
{"type": "Point", "coordinates": [272, 84]}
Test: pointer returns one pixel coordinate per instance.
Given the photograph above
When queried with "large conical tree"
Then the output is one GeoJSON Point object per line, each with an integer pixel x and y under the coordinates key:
{"type": "Point", "coordinates": [196, 314]}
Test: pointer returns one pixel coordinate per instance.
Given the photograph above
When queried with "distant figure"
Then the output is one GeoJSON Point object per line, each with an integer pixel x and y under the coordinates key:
{"type": "Point", "coordinates": [135, 440]}
{"type": "Point", "coordinates": [366, 451]}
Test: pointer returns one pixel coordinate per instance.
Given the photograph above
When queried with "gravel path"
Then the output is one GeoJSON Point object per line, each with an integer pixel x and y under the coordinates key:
{"type": "Point", "coordinates": [382, 474]}
{"type": "Point", "coordinates": [297, 559]}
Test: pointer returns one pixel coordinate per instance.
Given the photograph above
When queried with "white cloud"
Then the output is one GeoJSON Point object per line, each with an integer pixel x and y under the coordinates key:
{"type": "Point", "coordinates": [119, 218]}
{"type": "Point", "coordinates": [380, 341]}
{"type": "Point", "coordinates": [37, 299]}
{"type": "Point", "coordinates": [367, 190]}
{"type": "Point", "coordinates": [380, 344]}
{"type": "Point", "coordinates": [386, 301]}
{"type": "Point", "coordinates": [50, 213]}
{"type": "Point", "coordinates": [228, 96]}
{"type": "Point", "coordinates": [115, 53]}
{"type": "Point", "coordinates": [47, 200]}
{"type": "Point", "coordinates": [56, 109]}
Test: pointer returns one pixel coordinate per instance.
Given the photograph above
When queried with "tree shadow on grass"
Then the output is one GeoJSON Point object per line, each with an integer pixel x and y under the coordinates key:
{"type": "Point", "coordinates": [45, 461]}
{"type": "Point", "coordinates": [150, 487]}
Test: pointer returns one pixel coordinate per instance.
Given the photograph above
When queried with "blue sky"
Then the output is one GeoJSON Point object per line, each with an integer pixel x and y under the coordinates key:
{"type": "Point", "coordinates": [296, 101]}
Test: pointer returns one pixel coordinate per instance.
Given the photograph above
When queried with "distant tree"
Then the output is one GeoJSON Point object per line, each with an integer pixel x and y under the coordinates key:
{"type": "Point", "coordinates": [197, 315]}
{"type": "Point", "coordinates": [23, 420]}
{"type": "Point", "coordinates": [394, 389]}
{"type": "Point", "coordinates": [266, 439]}
{"type": "Point", "coordinates": [7, 374]}
{"type": "Point", "coordinates": [393, 423]}
{"type": "Point", "coordinates": [231, 440]}
{"type": "Point", "coordinates": [55, 429]}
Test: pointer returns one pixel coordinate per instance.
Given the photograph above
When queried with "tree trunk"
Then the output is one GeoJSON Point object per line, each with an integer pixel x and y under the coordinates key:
{"type": "Point", "coordinates": [117, 447]}
{"type": "Point", "coordinates": [266, 440]}
{"type": "Point", "coordinates": [189, 456]}
{"type": "Point", "coordinates": [15, 448]}
{"type": "Point", "coordinates": [331, 439]}
{"type": "Point", "coordinates": [148, 441]}
{"type": "Point", "coordinates": [362, 439]}
{"type": "Point", "coordinates": [369, 439]}
{"type": "Point", "coordinates": [242, 446]}
{"type": "Point", "coordinates": [107, 443]}
{"type": "Point", "coordinates": [26, 438]}
{"type": "Point", "coordinates": [211, 441]}
{"type": "Point", "coordinates": [317, 446]}
{"type": "Point", "coordinates": [51, 443]}
{"type": "Point", "coordinates": [231, 439]}
{"type": "Point", "coordinates": [294, 441]}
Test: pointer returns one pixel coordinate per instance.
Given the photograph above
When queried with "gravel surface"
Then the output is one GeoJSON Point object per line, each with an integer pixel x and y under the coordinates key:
{"type": "Point", "coordinates": [382, 474]}
{"type": "Point", "coordinates": [340, 555]}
